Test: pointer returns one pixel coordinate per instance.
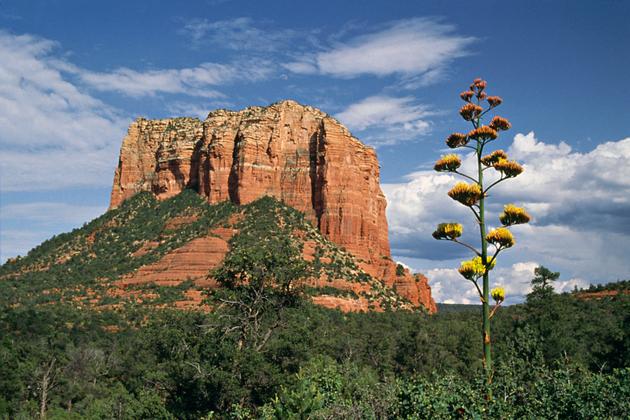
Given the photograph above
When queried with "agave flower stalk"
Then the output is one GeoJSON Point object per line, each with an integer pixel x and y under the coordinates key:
{"type": "Point", "coordinates": [474, 195]}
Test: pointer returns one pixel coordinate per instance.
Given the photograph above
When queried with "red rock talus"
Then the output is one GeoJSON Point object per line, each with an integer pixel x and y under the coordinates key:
{"type": "Point", "coordinates": [293, 152]}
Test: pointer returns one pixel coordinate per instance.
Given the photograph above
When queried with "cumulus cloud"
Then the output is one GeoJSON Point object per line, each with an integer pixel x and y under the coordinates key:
{"type": "Point", "coordinates": [589, 190]}
{"type": "Point", "coordinates": [579, 202]}
{"type": "Point", "coordinates": [386, 120]}
{"type": "Point", "coordinates": [416, 49]}
{"type": "Point", "coordinates": [448, 286]}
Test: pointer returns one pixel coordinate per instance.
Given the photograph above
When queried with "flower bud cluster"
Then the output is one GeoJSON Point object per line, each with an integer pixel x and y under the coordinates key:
{"type": "Point", "coordinates": [475, 268]}
{"type": "Point", "coordinates": [498, 294]}
{"type": "Point", "coordinates": [448, 231]}
{"type": "Point", "coordinates": [494, 157]}
{"type": "Point", "coordinates": [448, 163]}
{"type": "Point", "coordinates": [457, 140]}
{"type": "Point", "coordinates": [508, 168]}
{"type": "Point", "coordinates": [501, 238]}
{"type": "Point", "coordinates": [513, 215]}
{"type": "Point", "coordinates": [467, 194]}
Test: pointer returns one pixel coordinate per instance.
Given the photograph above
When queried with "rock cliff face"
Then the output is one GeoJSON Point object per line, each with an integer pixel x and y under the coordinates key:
{"type": "Point", "coordinates": [293, 152]}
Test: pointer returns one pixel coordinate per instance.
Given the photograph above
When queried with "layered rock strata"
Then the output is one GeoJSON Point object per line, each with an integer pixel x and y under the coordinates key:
{"type": "Point", "coordinates": [295, 153]}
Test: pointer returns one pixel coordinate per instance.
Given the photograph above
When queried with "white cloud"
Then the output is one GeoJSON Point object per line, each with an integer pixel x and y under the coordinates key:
{"type": "Point", "coordinates": [193, 81]}
{"type": "Point", "coordinates": [240, 34]}
{"type": "Point", "coordinates": [580, 208]}
{"type": "Point", "coordinates": [54, 134]}
{"type": "Point", "coordinates": [589, 190]}
{"type": "Point", "coordinates": [302, 67]}
{"type": "Point", "coordinates": [141, 83]}
{"type": "Point", "coordinates": [409, 48]}
{"type": "Point", "coordinates": [448, 286]}
{"type": "Point", "coordinates": [388, 119]}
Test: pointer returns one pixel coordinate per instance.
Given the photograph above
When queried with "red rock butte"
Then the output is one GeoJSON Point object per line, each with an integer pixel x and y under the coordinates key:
{"type": "Point", "coordinates": [293, 152]}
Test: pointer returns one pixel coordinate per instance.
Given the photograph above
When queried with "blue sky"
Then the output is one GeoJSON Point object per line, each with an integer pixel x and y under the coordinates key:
{"type": "Point", "coordinates": [73, 75]}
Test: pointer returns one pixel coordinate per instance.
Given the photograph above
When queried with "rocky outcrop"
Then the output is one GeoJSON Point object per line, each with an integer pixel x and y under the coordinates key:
{"type": "Point", "coordinates": [293, 152]}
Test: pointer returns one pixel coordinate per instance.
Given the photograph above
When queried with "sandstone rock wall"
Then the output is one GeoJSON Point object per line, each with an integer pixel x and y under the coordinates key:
{"type": "Point", "coordinates": [293, 152]}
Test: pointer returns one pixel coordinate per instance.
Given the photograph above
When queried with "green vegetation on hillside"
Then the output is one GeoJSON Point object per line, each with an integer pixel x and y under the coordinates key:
{"type": "Point", "coordinates": [80, 265]}
{"type": "Point", "coordinates": [72, 265]}
{"type": "Point", "coordinates": [622, 285]}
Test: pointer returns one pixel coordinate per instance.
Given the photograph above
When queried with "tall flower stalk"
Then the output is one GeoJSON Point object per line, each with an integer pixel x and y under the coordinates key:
{"type": "Point", "coordinates": [474, 194]}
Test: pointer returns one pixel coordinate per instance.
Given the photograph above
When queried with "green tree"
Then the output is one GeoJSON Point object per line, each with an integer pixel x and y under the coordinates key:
{"type": "Point", "coordinates": [542, 283]}
{"type": "Point", "coordinates": [262, 274]}
{"type": "Point", "coordinates": [473, 195]}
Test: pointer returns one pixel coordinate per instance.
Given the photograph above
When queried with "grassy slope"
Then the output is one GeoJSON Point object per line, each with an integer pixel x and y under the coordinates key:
{"type": "Point", "coordinates": [80, 265]}
{"type": "Point", "coordinates": [88, 258]}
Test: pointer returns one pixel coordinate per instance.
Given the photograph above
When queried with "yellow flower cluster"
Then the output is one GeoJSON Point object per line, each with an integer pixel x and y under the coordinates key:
{"type": "Point", "coordinates": [456, 140]}
{"type": "Point", "coordinates": [513, 215]}
{"type": "Point", "coordinates": [509, 168]}
{"type": "Point", "coordinates": [448, 163]}
{"type": "Point", "coordinates": [483, 133]}
{"type": "Point", "coordinates": [467, 194]}
{"type": "Point", "coordinates": [498, 294]}
{"type": "Point", "coordinates": [500, 124]}
{"type": "Point", "coordinates": [501, 237]}
{"type": "Point", "coordinates": [473, 269]}
{"type": "Point", "coordinates": [470, 111]}
{"type": "Point", "coordinates": [494, 157]}
{"type": "Point", "coordinates": [448, 231]}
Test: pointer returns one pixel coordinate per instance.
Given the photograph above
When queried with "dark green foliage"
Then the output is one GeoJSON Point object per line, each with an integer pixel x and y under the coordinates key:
{"type": "Point", "coordinates": [140, 361]}
{"type": "Point", "coordinates": [166, 294]}
{"type": "Point", "coordinates": [261, 274]}
{"type": "Point", "coordinates": [565, 393]}
{"type": "Point", "coordinates": [566, 325]}
{"type": "Point", "coordinates": [542, 283]}
{"type": "Point", "coordinates": [400, 270]}
{"type": "Point", "coordinates": [269, 245]}
{"type": "Point", "coordinates": [264, 249]}
{"type": "Point", "coordinates": [622, 285]}
{"type": "Point", "coordinates": [325, 388]}
{"type": "Point", "coordinates": [524, 387]}
{"type": "Point", "coordinates": [456, 307]}
{"type": "Point", "coordinates": [330, 291]}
